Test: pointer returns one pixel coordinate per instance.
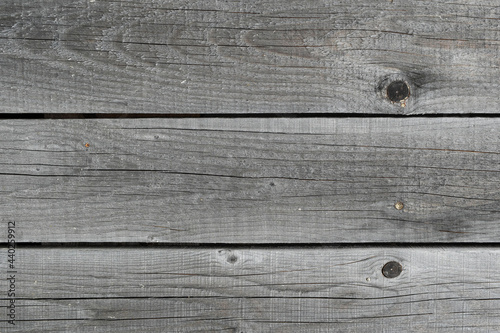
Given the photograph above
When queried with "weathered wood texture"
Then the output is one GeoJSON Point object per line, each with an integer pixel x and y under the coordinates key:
{"type": "Point", "coordinates": [252, 180]}
{"type": "Point", "coordinates": [286, 56]}
{"type": "Point", "coordinates": [256, 290]}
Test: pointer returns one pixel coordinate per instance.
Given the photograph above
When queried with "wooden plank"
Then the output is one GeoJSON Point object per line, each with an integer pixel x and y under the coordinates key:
{"type": "Point", "coordinates": [252, 180]}
{"type": "Point", "coordinates": [282, 56]}
{"type": "Point", "coordinates": [255, 290]}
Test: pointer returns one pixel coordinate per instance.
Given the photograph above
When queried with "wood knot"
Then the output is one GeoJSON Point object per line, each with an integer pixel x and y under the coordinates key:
{"type": "Point", "coordinates": [398, 92]}
{"type": "Point", "coordinates": [392, 269]}
{"type": "Point", "coordinates": [232, 259]}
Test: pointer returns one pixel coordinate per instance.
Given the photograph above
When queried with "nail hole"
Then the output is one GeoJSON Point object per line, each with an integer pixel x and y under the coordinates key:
{"type": "Point", "coordinates": [398, 91]}
{"type": "Point", "coordinates": [392, 269]}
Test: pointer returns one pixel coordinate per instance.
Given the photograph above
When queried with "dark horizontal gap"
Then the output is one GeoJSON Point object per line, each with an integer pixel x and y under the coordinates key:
{"type": "Point", "coordinates": [236, 115]}
{"type": "Point", "coordinates": [250, 245]}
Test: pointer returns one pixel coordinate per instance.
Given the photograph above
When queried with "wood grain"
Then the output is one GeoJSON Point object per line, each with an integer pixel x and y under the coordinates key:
{"type": "Point", "coordinates": [283, 56]}
{"type": "Point", "coordinates": [255, 290]}
{"type": "Point", "coordinates": [252, 180]}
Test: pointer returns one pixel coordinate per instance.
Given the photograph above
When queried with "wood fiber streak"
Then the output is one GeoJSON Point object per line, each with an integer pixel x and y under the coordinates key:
{"type": "Point", "coordinates": [256, 290]}
{"type": "Point", "coordinates": [283, 56]}
{"type": "Point", "coordinates": [251, 180]}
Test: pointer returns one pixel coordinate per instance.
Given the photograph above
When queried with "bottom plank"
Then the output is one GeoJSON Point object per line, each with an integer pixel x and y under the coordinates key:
{"type": "Point", "coordinates": [251, 290]}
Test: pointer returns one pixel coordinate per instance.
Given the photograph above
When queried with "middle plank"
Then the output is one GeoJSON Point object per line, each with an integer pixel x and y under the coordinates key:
{"type": "Point", "coordinates": [252, 180]}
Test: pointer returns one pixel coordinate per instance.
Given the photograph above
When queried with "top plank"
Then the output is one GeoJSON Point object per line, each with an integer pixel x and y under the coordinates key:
{"type": "Point", "coordinates": [230, 57]}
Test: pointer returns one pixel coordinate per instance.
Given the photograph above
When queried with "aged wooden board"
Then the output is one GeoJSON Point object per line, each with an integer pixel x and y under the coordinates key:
{"type": "Point", "coordinates": [251, 180]}
{"type": "Point", "coordinates": [255, 290]}
{"type": "Point", "coordinates": [282, 56]}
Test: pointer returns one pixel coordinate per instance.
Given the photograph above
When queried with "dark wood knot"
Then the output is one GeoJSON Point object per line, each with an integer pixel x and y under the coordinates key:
{"type": "Point", "coordinates": [398, 92]}
{"type": "Point", "coordinates": [392, 269]}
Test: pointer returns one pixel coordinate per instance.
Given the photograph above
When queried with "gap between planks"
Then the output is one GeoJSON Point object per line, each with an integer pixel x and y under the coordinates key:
{"type": "Point", "coordinates": [67, 116]}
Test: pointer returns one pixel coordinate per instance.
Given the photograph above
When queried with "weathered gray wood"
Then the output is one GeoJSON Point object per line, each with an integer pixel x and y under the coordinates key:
{"type": "Point", "coordinates": [287, 56]}
{"type": "Point", "coordinates": [255, 290]}
{"type": "Point", "coordinates": [252, 180]}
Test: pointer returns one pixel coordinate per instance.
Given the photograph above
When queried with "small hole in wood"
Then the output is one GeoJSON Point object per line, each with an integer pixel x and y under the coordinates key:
{"type": "Point", "coordinates": [392, 269]}
{"type": "Point", "coordinates": [398, 91]}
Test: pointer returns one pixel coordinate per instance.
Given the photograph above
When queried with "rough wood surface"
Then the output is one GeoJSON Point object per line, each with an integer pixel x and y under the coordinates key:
{"type": "Point", "coordinates": [286, 56]}
{"type": "Point", "coordinates": [251, 180]}
{"type": "Point", "coordinates": [255, 290]}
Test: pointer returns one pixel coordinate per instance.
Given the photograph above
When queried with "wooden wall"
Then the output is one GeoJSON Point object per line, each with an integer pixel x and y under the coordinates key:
{"type": "Point", "coordinates": [249, 166]}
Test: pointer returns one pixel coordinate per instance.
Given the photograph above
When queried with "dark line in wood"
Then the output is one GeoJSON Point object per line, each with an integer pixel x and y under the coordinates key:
{"type": "Point", "coordinates": [273, 246]}
{"type": "Point", "coordinates": [236, 115]}
{"type": "Point", "coordinates": [246, 297]}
